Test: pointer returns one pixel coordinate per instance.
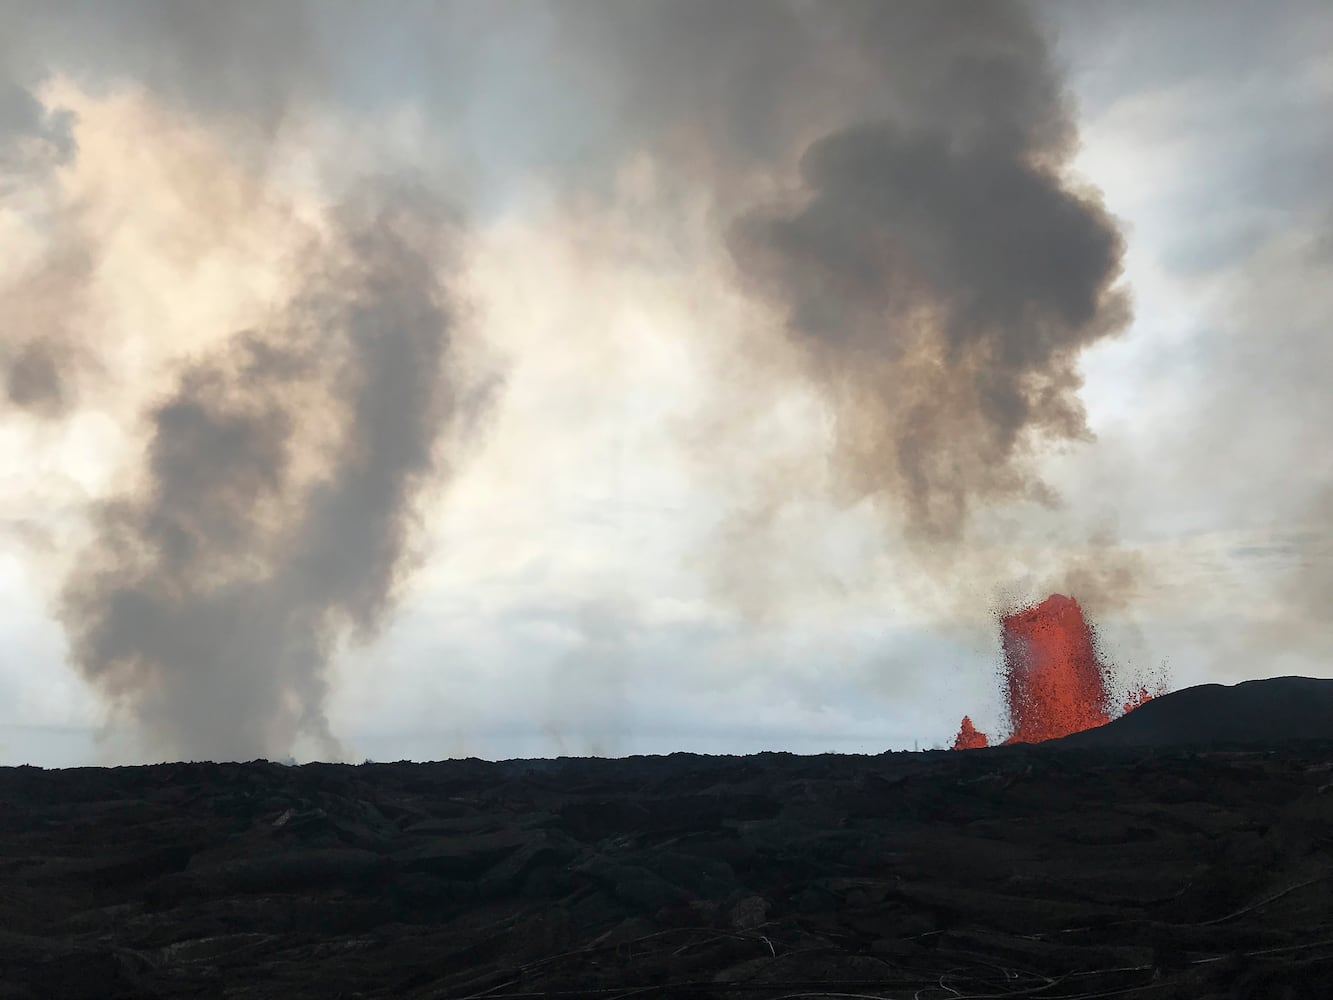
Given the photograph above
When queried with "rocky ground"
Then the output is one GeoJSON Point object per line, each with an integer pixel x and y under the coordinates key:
{"type": "Point", "coordinates": [1021, 871]}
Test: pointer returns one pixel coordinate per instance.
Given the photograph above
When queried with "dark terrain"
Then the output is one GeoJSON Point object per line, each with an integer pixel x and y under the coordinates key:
{"type": "Point", "coordinates": [1051, 871]}
{"type": "Point", "coordinates": [1252, 713]}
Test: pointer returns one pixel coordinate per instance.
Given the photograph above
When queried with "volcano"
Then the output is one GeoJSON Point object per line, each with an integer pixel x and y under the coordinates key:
{"type": "Point", "coordinates": [1055, 683]}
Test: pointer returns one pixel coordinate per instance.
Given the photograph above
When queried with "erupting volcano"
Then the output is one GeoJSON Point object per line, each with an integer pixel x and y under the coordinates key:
{"type": "Point", "coordinates": [1055, 683]}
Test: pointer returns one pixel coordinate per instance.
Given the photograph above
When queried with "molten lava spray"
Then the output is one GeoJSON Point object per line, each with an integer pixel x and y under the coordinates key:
{"type": "Point", "coordinates": [1055, 684]}
{"type": "Point", "coordinates": [968, 738]}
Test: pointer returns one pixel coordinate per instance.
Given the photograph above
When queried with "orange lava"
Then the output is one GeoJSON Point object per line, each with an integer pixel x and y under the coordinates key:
{"type": "Point", "coordinates": [1055, 683]}
{"type": "Point", "coordinates": [968, 738]}
{"type": "Point", "coordinates": [1137, 698]}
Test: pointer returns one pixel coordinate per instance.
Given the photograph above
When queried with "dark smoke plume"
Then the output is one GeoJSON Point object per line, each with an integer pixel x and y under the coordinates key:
{"type": "Point", "coordinates": [275, 515]}
{"type": "Point", "coordinates": [938, 274]}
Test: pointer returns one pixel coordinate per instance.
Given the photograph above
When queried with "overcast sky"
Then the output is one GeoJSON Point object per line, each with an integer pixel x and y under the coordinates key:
{"type": "Point", "coordinates": [518, 378]}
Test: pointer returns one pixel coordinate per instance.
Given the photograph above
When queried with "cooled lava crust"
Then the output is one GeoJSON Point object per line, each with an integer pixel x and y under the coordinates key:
{"type": "Point", "coordinates": [1048, 870]}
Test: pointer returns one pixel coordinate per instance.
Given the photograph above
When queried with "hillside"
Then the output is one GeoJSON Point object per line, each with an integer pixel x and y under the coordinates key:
{"type": "Point", "coordinates": [1259, 712]}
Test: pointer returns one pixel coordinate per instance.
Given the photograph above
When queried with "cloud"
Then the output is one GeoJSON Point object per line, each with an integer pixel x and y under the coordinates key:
{"type": "Point", "coordinates": [32, 136]}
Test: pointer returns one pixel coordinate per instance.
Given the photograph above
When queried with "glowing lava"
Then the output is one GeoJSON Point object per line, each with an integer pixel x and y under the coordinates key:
{"type": "Point", "coordinates": [968, 738]}
{"type": "Point", "coordinates": [1137, 698]}
{"type": "Point", "coordinates": [1055, 684]}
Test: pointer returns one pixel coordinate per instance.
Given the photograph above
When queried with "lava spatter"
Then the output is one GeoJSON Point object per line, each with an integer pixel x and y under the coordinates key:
{"type": "Point", "coordinates": [969, 738]}
{"type": "Point", "coordinates": [1137, 698]}
{"type": "Point", "coordinates": [1055, 683]}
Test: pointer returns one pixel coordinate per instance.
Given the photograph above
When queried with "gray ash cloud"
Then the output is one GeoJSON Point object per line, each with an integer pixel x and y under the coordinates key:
{"type": "Point", "coordinates": [275, 515]}
{"type": "Point", "coordinates": [937, 272]}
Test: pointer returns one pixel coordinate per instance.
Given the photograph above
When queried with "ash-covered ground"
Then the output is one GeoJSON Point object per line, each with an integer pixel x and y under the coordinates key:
{"type": "Point", "coordinates": [1052, 871]}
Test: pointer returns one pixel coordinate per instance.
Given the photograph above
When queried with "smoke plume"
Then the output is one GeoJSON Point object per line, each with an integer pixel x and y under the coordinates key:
{"type": "Point", "coordinates": [275, 513]}
{"type": "Point", "coordinates": [939, 275]}
{"type": "Point", "coordinates": [44, 355]}
{"type": "Point", "coordinates": [38, 354]}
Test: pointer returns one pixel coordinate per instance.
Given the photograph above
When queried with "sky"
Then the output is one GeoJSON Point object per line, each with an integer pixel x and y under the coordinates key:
{"type": "Point", "coordinates": [524, 378]}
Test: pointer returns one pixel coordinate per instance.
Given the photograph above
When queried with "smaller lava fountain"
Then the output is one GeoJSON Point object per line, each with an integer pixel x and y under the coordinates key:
{"type": "Point", "coordinates": [968, 738]}
{"type": "Point", "coordinates": [1055, 684]}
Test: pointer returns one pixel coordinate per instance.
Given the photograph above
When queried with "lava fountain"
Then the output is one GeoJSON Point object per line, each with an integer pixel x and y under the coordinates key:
{"type": "Point", "coordinates": [1054, 682]}
{"type": "Point", "coordinates": [968, 737]}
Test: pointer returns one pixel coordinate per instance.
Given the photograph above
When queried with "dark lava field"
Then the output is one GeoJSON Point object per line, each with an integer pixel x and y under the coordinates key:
{"type": "Point", "coordinates": [1046, 871]}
